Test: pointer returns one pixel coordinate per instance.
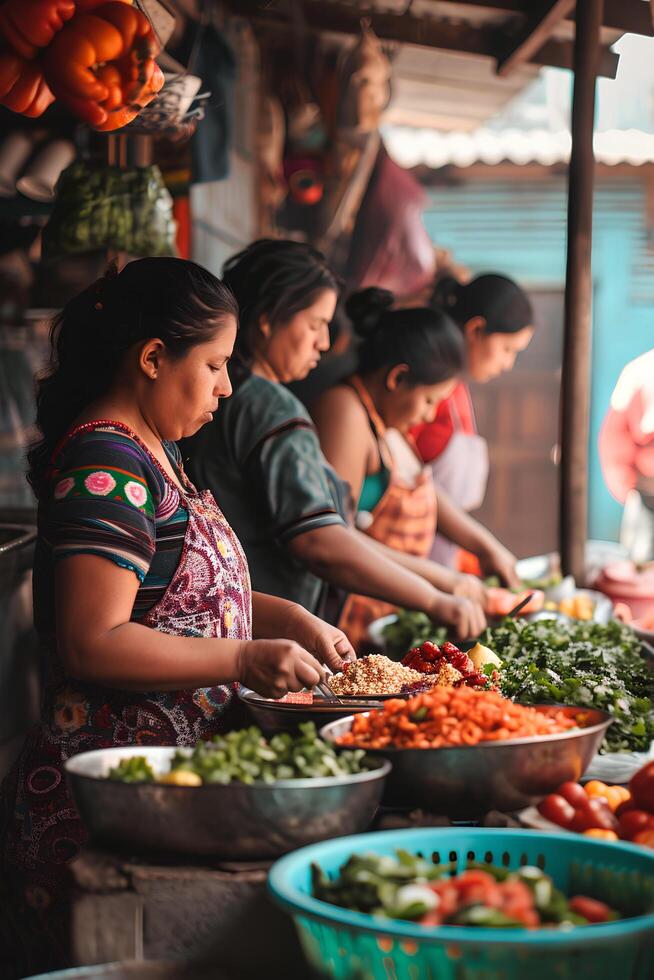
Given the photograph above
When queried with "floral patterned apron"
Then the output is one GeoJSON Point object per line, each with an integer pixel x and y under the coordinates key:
{"type": "Point", "coordinates": [40, 830]}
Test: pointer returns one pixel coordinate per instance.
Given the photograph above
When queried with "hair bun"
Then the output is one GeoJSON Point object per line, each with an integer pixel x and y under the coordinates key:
{"type": "Point", "coordinates": [366, 307]}
{"type": "Point", "coordinates": [446, 293]}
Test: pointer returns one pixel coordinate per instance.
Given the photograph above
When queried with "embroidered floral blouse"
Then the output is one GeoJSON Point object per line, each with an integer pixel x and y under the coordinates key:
{"type": "Point", "coordinates": [109, 499]}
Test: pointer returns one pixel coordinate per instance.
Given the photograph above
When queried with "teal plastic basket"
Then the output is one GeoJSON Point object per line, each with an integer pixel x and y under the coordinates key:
{"type": "Point", "coordinates": [343, 944]}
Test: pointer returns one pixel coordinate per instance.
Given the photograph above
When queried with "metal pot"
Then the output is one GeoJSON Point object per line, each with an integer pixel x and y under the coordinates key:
{"type": "Point", "coordinates": [468, 781]}
{"type": "Point", "coordinates": [237, 822]}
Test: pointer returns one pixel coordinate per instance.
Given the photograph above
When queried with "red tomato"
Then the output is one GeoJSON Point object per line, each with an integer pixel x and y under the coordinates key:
{"type": "Point", "coordinates": [633, 822]}
{"type": "Point", "coordinates": [590, 909]}
{"type": "Point", "coordinates": [573, 793]}
{"type": "Point", "coordinates": [557, 809]}
{"type": "Point", "coordinates": [625, 807]}
{"type": "Point", "coordinates": [645, 837]}
{"type": "Point", "coordinates": [594, 813]}
{"type": "Point", "coordinates": [642, 787]}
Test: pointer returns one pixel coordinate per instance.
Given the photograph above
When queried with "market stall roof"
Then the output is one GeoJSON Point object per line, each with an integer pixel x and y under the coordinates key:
{"type": "Point", "coordinates": [456, 64]}
{"type": "Point", "coordinates": [413, 147]}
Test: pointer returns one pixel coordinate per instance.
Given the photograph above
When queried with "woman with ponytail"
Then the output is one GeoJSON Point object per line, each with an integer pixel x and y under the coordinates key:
{"type": "Point", "coordinates": [142, 594]}
{"type": "Point", "coordinates": [262, 458]}
{"type": "Point", "coordinates": [496, 320]}
{"type": "Point", "coordinates": [409, 361]}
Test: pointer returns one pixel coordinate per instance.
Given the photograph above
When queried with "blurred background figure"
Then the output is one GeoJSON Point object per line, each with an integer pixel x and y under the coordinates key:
{"type": "Point", "coordinates": [627, 454]}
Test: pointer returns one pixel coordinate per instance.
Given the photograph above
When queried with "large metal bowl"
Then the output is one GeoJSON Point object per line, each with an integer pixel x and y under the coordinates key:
{"type": "Point", "coordinates": [234, 822]}
{"type": "Point", "coordinates": [469, 781]}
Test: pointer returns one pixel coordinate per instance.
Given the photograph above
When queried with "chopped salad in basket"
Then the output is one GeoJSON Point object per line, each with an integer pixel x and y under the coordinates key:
{"type": "Point", "coordinates": [412, 888]}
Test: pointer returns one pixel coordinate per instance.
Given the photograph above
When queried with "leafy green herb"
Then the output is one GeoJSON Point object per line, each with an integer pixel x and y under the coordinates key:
{"type": "Point", "coordinates": [586, 664]}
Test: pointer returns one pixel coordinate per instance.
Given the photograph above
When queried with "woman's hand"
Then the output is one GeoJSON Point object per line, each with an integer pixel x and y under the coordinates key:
{"type": "Point", "coordinates": [327, 643]}
{"type": "Point", "coordinates": [498, 560]}
{"type": "Point", "coordinates": [272, 668]}
{"type": "Point", "coordinates": [470, 587]}
{"type": "Point", "coordinates": [464, 615]}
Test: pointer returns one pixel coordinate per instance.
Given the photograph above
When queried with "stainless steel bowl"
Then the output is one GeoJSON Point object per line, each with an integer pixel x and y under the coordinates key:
{"type": "Point", "coordinates": [235, 822]}
{"type": "Point", "coordinates": [469, 781]}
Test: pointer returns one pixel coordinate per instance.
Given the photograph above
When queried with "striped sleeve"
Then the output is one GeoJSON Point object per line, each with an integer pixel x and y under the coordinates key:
{"type": "Point", "coordinates": [103, 502]}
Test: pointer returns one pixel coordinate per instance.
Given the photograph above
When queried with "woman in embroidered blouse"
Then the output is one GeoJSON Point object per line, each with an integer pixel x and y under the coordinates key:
{"type": "Point", "coordinates": [262, 458]}
{"type": "Point", "coordinates": [141, 589]}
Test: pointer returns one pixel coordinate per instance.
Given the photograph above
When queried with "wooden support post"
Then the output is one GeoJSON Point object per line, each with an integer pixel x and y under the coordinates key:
{"type": "Point", "coordinates": [576, 380]}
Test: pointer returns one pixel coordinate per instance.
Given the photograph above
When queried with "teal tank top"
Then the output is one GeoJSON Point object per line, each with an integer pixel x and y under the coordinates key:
{"type": "Point", "coordinates": [373, 489]}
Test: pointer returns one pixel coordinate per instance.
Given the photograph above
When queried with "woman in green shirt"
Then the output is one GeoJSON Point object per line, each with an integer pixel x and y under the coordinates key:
{"type": "Point", "coordinates": [262, 458]}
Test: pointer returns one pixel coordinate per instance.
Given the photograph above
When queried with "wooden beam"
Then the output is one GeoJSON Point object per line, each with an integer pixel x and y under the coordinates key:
{"type": "Point", "coordinates": [341, 18]}
{"type": "Point", "coordinates": [534, 34]}
{"type": "Point", "coordinates": [627, 16]}
{"type": "Point", "coordinates": [576, 381]}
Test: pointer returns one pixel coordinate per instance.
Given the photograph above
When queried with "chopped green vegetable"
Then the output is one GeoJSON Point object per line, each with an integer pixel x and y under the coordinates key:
{"type": "Point", "coordinates": [247, 757]}
{"type": "Point", "coordinates": [412, 888]}
{"type": "Point", "coordinates": [136, 769]}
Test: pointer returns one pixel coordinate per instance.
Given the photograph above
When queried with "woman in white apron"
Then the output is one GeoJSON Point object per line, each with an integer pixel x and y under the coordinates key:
{"type": "Point", "coordinates": [496, 319]}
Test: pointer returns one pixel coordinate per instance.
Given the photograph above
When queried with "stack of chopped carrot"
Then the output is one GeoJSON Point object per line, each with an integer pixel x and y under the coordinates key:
{"type": "Point", "coordinates": [446, 716]}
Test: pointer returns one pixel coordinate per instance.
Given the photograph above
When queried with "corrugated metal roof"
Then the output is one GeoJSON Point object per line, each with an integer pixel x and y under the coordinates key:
{"type": "Point", "coordinates": [411, 147]}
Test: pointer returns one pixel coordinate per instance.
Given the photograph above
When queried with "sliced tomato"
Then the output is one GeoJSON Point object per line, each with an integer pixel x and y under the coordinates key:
{"type": "Point", "coordinates": [590, 909]}
{"type": "Point", "coordinates": [518, 903]}
{"type": "Point", "coordinates": [448, 895]}
{"type": "Point", "coordinates": [478, 888]}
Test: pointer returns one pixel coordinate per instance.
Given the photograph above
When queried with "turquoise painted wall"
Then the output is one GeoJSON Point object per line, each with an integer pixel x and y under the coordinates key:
{"type": "Point", "coordinates": [519, 229]}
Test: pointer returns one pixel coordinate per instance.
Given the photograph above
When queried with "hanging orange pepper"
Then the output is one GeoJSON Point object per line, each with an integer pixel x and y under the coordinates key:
{"type": "Point", "coordinates": [28, 25]}
{"type": "Point", "coordinates": [101, 65]}
{"type": "Point", "coordinates": [123, 115]}
{"type": "Point", "coordinates": [23, 88]}
{"type": "Point", "coordinates": [87, 6]}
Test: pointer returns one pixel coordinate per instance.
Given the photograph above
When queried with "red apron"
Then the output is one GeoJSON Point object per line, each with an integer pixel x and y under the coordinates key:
{"type": "Point", "coordinates": [208, 596]}
{"type": "Point", "coordinates": [404, 519]}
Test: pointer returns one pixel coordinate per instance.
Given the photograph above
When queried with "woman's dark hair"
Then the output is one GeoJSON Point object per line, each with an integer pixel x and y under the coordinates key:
{"type": "Point", "coordinates": [499, 300]}
{"type": "Point", "coordinates": [175, 300]}
{"type": "Point", "coordinates": [424, 339]}
{"type": "Point", "coordinates": [274, 279]}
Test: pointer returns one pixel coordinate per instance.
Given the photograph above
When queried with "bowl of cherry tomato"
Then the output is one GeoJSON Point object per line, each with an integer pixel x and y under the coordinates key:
{"type": "Point", "coordinates": [600, 810]}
